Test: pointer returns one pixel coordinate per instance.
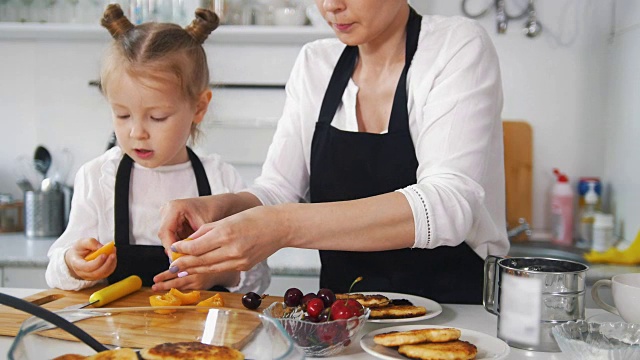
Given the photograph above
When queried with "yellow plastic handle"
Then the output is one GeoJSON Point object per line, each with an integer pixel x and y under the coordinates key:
{"type": "Point", "coordinates": [115, 291]}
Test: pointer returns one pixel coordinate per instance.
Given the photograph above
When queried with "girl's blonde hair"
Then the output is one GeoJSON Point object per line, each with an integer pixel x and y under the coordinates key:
{"type": "Point", "coordinates": [159, 51]}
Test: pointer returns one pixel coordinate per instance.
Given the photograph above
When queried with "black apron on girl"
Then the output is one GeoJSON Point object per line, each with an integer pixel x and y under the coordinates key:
{"type": "Point", "coordinates": [353, 165]}
{"type": "Point", "coordinates": [145, 261]}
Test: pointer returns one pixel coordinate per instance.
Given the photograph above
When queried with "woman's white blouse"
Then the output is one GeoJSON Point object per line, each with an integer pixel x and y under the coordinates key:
{"type": "Point", "coordinates": [92, 210]}
{"type": "Point", "coordinates": [454, 101]}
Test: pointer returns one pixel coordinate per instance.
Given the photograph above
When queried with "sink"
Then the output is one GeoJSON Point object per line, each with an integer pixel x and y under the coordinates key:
{"type": "Point", "coordinates": [547, 250]}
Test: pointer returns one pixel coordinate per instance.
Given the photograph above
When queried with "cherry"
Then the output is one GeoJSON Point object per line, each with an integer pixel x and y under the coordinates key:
{"type": "Point", "coordinates": [305, 299]}
{"type": "Point", "coordinates": [324, 315]}
{"type": "Point", "coordinates": [315, 307]}
{"type": "Point", "coordinates": [327, 296]}
{"type": "Point", "coordinates": [251, 300]}
{"type": "Point", "coordinates": [347, 308]}
{"type": "Point", "coordinates": [292, 297]}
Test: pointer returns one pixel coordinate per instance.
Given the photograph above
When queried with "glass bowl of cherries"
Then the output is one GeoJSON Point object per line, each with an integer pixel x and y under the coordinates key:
{"type": "Point", "coordinates": [317, 322]}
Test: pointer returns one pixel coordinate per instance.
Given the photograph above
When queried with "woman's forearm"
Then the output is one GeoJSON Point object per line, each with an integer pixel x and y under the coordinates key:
{"type": "Point", "coordinates": [382, 222]}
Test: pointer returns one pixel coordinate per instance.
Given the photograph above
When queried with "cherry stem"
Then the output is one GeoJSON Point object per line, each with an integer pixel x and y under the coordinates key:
{"type": "Point", "coordinates": [357, 280]}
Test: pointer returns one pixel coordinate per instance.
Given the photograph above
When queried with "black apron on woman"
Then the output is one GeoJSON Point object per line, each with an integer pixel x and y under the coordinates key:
{"type": "Point", "coordinates": [145, 261]}
{"type": "Point", "coordinates": [353, 165]}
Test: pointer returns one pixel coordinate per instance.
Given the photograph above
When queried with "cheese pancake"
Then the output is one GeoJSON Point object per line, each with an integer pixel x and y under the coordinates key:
{"type": "Point", "coordinates": [115, 354]}
{"type": "Point", "coordinates": [370, 301]}
{"type": "Point", "coordinates": [452, 350]}
{"type": "Point", "coordinates": [397, 312]}
{"type": "Point", "coordinates": [70, 357]}
{"type": "Point", "coordinates": [397, 338]}
{"type": "Point", "coordinates": [190, 350]}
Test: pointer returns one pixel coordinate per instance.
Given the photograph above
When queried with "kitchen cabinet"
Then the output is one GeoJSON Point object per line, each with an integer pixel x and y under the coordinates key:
{"type": "Point", "coordinates": [23, 277]}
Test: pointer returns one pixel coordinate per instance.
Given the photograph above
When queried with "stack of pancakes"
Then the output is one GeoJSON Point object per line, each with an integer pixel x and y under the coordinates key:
{"type": "Point", "coordinates": [384, 308]}
{"type": "Point", "coordinates": [171, 351]}
{"type": "Point", "coordinates": [432, 344]}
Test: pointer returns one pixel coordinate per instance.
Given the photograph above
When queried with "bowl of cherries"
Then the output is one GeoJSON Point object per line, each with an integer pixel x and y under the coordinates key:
{"type": "Point", "coordinates": [317, 322]}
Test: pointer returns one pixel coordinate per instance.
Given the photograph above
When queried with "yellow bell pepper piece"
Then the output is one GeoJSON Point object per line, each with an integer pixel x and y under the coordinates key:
{"type": "Point", "coordinates": [167, 299]}
{"type": "Point", "coordinates": [108, 248]}
{"type": "Point", "coordinates": [214, 301]}
{"type": "Point", "coordinates": [175, 255]}
{"type": "Point", "coordinates": [186, 298]}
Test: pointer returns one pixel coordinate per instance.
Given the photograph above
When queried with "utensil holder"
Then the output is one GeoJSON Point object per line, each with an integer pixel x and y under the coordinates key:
{"type": "Point", "coordinates": [43, 213]}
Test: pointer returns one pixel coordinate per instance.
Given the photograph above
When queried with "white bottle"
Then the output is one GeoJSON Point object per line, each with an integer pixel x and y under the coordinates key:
{"type": "Point", "coordinates": [587, 216]}
{"type": "Point", "coordinates": [562, 211]}
{"type": "Point", "coordinates": [602, 232]}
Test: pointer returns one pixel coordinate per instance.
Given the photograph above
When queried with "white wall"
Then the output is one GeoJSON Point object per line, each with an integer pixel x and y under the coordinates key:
{"type": "Point", "coordinates": [622, 129]}
{"type": "Point", "coordinates": [556, 82]}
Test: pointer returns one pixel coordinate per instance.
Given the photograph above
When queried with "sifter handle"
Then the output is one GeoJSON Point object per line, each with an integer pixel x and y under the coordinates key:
{"type": "Point", "coordinates": [115, 291]}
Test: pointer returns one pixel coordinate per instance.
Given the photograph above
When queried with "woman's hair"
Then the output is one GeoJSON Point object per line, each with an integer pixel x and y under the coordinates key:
{"type": "Point", "coordinates": [159, 51]}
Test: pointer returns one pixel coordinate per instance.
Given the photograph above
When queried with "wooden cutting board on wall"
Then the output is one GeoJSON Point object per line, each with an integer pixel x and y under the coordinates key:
{"type": "Point", "coordinates": [518, 170]}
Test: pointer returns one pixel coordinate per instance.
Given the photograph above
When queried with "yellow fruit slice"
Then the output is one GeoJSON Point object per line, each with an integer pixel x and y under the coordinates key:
{"type": "Point", "coordinates": [186, 298]}
{"type": "Point", "coordinates": [108, 248]}
{"type": "Point", "coordinates": [167, 299]}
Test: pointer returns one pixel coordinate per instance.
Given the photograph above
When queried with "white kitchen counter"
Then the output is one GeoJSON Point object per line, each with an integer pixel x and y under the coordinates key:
{"type": "Point", "coordinates": [470, 317]}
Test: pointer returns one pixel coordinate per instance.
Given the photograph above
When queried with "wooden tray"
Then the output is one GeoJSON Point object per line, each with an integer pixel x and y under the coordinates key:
{"type": "Point", "coordinates": [179, 326]}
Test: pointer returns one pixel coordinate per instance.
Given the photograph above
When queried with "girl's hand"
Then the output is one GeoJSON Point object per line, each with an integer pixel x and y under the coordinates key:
{"type": "Point", "coordinates": [92, 270]}
{"type": "Point", "coordinates": [166, 280]}
{"type": "Point", "coordinates": [235, 243]}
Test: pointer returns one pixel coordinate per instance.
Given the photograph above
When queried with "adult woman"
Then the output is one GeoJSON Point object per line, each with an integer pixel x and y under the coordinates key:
{"type": "Point", "coordinates": [405, 177]}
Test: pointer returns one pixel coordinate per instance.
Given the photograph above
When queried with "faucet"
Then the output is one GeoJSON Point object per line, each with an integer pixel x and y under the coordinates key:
{"type": "Point", "coordinates": [523, 227]}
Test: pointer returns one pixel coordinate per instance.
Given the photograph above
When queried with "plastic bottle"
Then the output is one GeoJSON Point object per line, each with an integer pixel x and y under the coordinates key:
{"type": "Point", "coordinates": [562, 210]}
{"type": "Point", "coordinates": [587, 215]}
{"type": "Point", "coordinates": [602, 232]}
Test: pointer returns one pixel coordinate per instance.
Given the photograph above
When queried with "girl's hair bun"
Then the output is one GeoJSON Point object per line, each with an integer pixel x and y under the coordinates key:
{"type": "Point", "coordinates": [114, 20]}
{"type": "Point", "coordinates": [204, 23]}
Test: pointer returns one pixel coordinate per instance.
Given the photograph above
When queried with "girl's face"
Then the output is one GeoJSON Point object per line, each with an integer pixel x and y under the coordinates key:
{"type": "Point", "coordinates": [358, 22]}
{"type": "Point", "coordinates": [152, 119]}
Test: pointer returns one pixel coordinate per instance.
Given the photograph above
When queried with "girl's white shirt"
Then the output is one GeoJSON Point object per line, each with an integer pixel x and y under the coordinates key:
{"type": "Point", "coordinates": [454, 101]}
{"type": "Point", "coordinates": [92, 210]}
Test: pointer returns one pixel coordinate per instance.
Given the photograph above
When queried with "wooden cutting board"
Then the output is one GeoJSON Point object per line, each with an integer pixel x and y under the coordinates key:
{"type": "Point", "coordinates": [518, 168]}
{"type": "Point", "coordinates": [181, 326]}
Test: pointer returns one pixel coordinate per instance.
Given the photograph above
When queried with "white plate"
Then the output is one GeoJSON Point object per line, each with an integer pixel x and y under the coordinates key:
{"type": "Point", "coordinates": [433, 308]}
{"type": "Point", "coordinates": [489, 347]}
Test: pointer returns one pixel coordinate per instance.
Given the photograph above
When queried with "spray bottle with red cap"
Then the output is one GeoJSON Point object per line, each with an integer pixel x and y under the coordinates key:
{"type": "Point", "coordinates": [561, 210]}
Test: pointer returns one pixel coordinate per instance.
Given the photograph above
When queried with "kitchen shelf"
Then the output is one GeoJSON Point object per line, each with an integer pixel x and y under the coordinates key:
{"type": "Point", "coordinates": [226, 34]}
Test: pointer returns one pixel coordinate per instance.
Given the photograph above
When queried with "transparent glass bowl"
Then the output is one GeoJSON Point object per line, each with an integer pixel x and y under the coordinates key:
{"type": "Point", "coordinates": [255, 335]}
{"type": "Point", "coordinates": [317, 339]}
{"type": "Point", "coordinates": [590, 341]}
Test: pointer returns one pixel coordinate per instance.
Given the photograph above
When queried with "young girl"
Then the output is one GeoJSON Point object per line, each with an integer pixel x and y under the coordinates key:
{"type": "Point", "coordinates": [155, 78]}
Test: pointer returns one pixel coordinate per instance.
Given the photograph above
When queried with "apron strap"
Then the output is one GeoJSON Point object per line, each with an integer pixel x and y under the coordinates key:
{"type": "Point", "coordinates": [121, 201]}
{"type": "Point", "coordinates": [204, 189]}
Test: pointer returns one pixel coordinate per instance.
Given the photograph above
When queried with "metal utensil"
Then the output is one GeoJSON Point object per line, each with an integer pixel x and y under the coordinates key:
{"type": "Point", "coordinates": [43, 157]}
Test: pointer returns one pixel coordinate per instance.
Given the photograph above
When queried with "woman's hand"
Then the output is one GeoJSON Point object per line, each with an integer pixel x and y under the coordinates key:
{"type": "Point", "coordinates": [237, 242]}
{"type": "Point", "coordinates": [180, 218]}
{"type": "Point", "coordinates": [167, 280]}
{"type": "Point", "coordinates": [92, 270]}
